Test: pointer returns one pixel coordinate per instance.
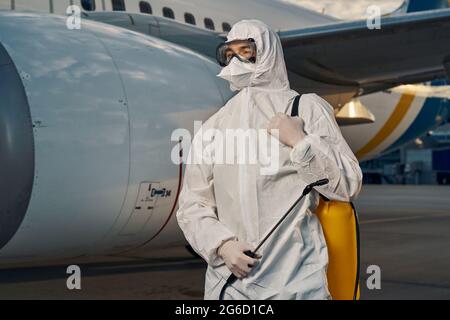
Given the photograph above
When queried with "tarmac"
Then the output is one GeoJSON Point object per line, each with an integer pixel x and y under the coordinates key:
{"type": "Point", "coordinates": [405, 231]}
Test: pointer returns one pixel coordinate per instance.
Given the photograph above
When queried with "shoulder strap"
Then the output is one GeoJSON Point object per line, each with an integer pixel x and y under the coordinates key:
{"type": "Point", "coordinates": [294, 111]}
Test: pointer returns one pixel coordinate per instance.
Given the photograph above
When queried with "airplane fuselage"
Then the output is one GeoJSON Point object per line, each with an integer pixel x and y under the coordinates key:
{"type": "Point", "coordinates": [103, 102]}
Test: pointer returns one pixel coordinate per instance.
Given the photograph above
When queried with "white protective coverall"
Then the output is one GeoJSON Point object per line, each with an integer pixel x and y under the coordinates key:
{"type": "Point", "coordinates": [219, 202]}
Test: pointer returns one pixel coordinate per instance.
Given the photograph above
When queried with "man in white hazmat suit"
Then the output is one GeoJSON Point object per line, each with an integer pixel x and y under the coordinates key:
{"type": "Point", "coordinates": [226, 209]}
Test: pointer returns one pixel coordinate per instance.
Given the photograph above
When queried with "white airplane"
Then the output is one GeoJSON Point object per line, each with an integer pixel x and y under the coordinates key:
{"type": "Point", "coordinates": [87, 114]}
{"type": "Point", "coordinates": [382, 128]}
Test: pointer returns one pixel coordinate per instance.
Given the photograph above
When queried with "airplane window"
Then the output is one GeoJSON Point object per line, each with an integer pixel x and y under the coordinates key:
{"type": "Point", "coordinates": [88, 5]}
{"type": "Point", "coordinates": [118, 5]}
{"type": "Point", "coordinates": [189, 18]}
{"type": "Point", "coordinates": [168, 13]}
{"type": "Point", "coordinates": [145, 7]}
{"type": "Point", "coordinates": [209, 24]}
{"type": "Point", "coordinates": [226, 26]}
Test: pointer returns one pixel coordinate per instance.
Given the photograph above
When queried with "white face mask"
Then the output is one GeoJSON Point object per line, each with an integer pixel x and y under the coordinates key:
{"type": "Point", "coordinates": [238, 73]}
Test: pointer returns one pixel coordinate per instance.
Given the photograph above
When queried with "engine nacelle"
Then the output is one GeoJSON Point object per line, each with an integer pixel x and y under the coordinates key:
{"type": "Point", "coordinates": [86, 134]}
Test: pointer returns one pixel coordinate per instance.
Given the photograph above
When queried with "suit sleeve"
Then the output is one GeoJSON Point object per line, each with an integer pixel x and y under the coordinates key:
{"type": "Point", "coordinates": [324, 153]}
{"type": "Point", "coordinates": [197, 212]}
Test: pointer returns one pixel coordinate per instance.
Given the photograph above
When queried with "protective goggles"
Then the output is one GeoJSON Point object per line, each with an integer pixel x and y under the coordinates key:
{"type": "Point", "coordinates": [244, 50]}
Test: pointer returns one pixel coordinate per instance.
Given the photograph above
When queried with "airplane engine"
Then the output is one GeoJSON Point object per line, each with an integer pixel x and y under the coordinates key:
{"type": "Point", "coordinates": [86, 118]}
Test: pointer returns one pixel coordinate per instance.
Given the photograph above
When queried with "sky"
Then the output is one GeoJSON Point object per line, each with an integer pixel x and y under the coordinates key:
{"type": "Point", "coordinates": [347, 9]}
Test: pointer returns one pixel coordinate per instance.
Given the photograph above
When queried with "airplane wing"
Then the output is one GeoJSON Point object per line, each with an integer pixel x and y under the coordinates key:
{"type": "Point", "coordinates": [338, 60]}
{"type": "Point", "coordinates": [349, 56]}
{"type": "Point", "coordinates": [197, 39]}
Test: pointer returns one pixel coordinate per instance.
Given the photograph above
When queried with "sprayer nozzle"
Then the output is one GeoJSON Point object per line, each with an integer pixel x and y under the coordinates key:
{"type": "Point", "coordinates": [320, 182]}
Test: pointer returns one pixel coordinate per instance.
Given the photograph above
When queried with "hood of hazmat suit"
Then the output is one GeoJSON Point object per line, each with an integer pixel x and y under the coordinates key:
{"type": "Point", "coordinates": [226, 198]}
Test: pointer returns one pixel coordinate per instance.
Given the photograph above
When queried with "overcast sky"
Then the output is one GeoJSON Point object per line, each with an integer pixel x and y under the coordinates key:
{"type": "Point", "coordinates": [347, 9]}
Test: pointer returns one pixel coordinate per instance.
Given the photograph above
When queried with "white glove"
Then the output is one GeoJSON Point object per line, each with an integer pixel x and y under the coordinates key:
{"type": "Point", "coordinates": [232, 252]}
{"type": "Point", "coordinates": [290, 129]}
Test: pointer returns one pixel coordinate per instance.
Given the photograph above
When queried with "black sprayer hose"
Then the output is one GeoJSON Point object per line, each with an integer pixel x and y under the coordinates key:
{"type": "Point", "coordinates": [232, 278]}
{"type": "Point", "coordinates": [358, 253]}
